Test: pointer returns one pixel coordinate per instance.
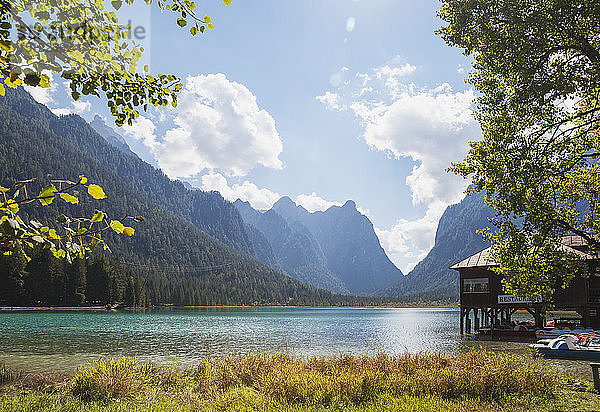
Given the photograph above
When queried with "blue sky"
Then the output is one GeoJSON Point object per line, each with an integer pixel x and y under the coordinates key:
{"type": "Point", "coordinates": [320, 100]}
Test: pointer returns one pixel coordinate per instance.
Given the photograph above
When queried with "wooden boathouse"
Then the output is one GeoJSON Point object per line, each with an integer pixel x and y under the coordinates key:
{"type": "Point", "coordinates": [484, 304]}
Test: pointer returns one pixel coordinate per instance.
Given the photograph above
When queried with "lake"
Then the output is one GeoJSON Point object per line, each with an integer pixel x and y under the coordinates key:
{"type": "Point", "coordinates": [59, 341]}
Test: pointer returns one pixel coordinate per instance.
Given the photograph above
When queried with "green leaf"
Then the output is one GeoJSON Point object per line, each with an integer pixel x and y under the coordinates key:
{"type": "Point", "coordinates": [117, 226]}
{"type": "Point", "coordinates": [3, 189]}
{"type": "Point", "coordinates": [181, 22]}
{"type": "Point", "coordinates": [47, 195]}
{"type": "Point", "coordinates": [116, 4]}
{"type": "Point", "coordinates": [76, 54]}
{"type": "Point", "coordinates": [63, 220]}
{"type": "Point", "coordinates": [60, 253]}
{"type": "Point", "coordinates": [96, 192]}
{"type": "Point", "coordinates": [52, 234]}
{"type": "Point", "coordinates": [69, 198]}
{"type": "Point", "coordinates": [98, 216]}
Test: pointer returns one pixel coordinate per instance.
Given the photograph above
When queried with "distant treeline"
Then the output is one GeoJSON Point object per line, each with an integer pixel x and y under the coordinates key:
{"type": "Point", "coordinates": [101, 280]}
{"type": "Point", "coordinates": [47, 281]}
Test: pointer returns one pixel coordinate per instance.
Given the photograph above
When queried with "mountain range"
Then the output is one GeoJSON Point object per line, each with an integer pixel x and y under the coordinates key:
{"type": "Point", "coordinates": [336, 249]}
{"type": "Point", "coordinates": [193, 247]}
{"type": "Point", "coordinates": [295, 251]}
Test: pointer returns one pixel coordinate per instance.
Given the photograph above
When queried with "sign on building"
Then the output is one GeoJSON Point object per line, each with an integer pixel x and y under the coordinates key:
{"type": "Point", "coordinates": [508, 299]}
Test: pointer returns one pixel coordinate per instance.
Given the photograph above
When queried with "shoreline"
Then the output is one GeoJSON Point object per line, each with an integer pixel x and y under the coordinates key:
{"type": "Point", "coordinates": [108, 309]}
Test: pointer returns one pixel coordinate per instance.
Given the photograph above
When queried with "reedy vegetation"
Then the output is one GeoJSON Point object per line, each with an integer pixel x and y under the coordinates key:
{"type": "Point", "coordinates": [425, 381]}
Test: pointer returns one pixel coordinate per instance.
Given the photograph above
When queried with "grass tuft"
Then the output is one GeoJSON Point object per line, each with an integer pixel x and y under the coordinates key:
{"type": "Point", "coordinates": [112, 379]}
{"type": "Point", "coordinates": [8, 375]}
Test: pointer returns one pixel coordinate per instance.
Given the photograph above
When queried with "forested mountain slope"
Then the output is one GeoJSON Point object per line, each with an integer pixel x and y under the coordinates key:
{"type": "Point", "coordinates": [455, 240]}
{"type": "Point", "coordinates": [37, 144]}
{"type": "Point", "coordinates": [206, 210]}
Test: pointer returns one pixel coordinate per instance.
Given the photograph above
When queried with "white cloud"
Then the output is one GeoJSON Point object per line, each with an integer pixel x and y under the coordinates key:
{"type": "Point", "coordinates": [330, 100]}
{"type": "Point", "coordinates": [78, 107]}
{"type": "Point", "coordinates": [384, 81]}
{"type": "Point", "coordinates": [47, 97]}
{"type": "Point", "coordinates": [314, 203]}
{"type": "Point", "coordinates": [431, 126]}
{"type": "Point", "coordinates": [391, 76]}
{"type": "Point", "coordinates": [143, 129]}
{"type": "Point", "coordinates": [259, 198]}
{"type": "Point", "coordinates": [62, 111]}
{"type": "Point", "coordinates": [217, 125]}
{"type": "Point", "coordinates": [408, 241]}
{"type": "Point", "coordinates": [388, 71]}
{"type": "Point", "coordinates": [81, 107]}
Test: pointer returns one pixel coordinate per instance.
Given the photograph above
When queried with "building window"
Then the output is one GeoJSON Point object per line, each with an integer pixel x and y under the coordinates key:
{"type": "Point", "coordinates": [478, 285]}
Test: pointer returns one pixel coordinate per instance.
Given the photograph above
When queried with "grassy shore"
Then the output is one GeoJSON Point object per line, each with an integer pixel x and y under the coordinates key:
{"type": "Point", "coordinates": [476, 380]}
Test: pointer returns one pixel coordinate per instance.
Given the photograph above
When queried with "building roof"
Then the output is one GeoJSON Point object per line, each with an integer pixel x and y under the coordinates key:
{"type": "Point", "coordinates": [478, 260]}
{"type": "Point", "coordinates": [574, 241]}
{"type": "Point", "coordinates": [483, 258]}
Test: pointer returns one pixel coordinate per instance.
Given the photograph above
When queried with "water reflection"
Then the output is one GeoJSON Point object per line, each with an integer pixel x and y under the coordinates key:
{"type": "Point", "coordinates": [59, 341]}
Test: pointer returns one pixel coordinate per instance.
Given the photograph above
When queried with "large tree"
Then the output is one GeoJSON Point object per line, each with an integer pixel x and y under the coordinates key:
{"type": "Point", "coordinates": [83, 42]}
{"type": "Point", "coordinates": [536, 67]}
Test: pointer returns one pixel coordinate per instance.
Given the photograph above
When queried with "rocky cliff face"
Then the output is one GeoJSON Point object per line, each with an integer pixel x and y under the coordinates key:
{"type": "Point", "coordinates": [349, 243]}
{"type": "Point", "coordinates": [298, 254]}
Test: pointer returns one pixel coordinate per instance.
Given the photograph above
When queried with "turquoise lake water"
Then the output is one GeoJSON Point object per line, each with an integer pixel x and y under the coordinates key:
{"type": "Point", "coordinates": [60, 341]}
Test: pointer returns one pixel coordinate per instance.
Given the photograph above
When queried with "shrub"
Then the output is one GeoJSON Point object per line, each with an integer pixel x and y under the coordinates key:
{"type": "Point", "coordinates": [105, 379]}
